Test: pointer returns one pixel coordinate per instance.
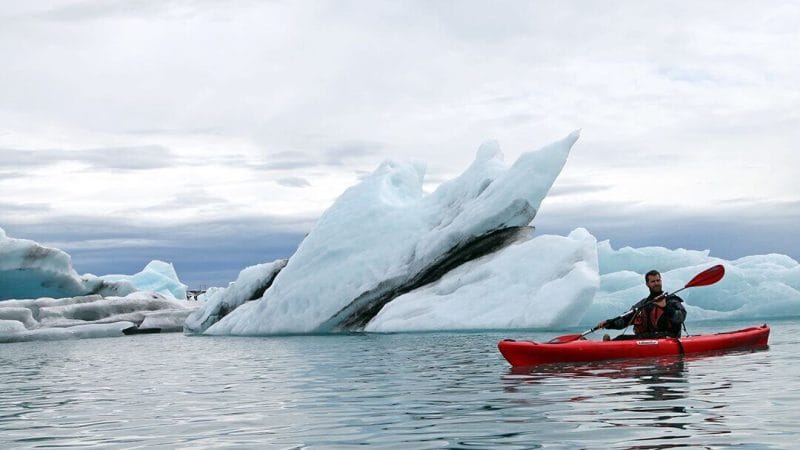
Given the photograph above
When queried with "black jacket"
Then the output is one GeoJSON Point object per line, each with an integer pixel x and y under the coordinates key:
{"type": "Point", "coordinates": [668, 324]}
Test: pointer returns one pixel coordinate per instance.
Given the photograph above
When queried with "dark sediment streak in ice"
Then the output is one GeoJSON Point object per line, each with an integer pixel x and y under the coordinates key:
{"type": "Point", "coordinates": [365, 307]}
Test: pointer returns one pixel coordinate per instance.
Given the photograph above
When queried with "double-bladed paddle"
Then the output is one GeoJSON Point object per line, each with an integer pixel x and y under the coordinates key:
{"type": "Point", "coordinates": [704, 278]}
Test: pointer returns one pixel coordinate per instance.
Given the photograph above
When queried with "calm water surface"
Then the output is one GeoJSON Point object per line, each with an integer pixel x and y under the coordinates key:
{"type": "Point", "coordinates": [444, 390]}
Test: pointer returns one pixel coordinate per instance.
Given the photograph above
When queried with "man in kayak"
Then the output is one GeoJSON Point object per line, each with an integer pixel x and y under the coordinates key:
{"type": "Point", "coordinates": [657, 315]}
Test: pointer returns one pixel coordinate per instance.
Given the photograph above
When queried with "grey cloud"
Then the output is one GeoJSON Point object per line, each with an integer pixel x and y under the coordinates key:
{"type": "Point", "coordinates": [688, 75]}
{"type": "Point", "coordinates": [187, 199]}
{"type": "Point", "coordinates": [339, 153]}
{"type": "Point", "coordinates": [563, 190]}
{"type": "Point", "coordinates": [208, 253]}
{"type": "Point", "coordinates": [102, 9]}
{"type": "Point", "coordinates": [741, 200]}
{"type": "Point", "coordinates": [289, 154]}
{"type": "Point", "coordinates": [128, 158]}
{"type": "Point", "coordinates": [293, 182]}
{"type": "Point", "coordinates": [11, 209]}
{"type": "Point", "coordinates": [24, 159]}
{"type": "Point", "coordinates": [635, 155]}
{"type": "Point", "coordinates": [287, 165]}
{"type": "Point", "coordinates": [10, 175]}
{"type": "Point", "coordinates": [230, 160]}
{"type": "Point", "coordinates": [287, 160]}
{"type": "Point", "coordinates": [210, 131]}
{"type": "Point", "coordinates": [199, 196]}
{"type": "Point", "coordinates": [505, 100]}
{"type": "Point", "coordinates": [115, 158]}
{"type": "Point", "coordinates": [505, 20]}
{"type": "Point", "coordinates": [95, 10]}
{"type": "Point", "coordinates": [757, 228]}
{"type": "Point", "coordinates": [518, 119]}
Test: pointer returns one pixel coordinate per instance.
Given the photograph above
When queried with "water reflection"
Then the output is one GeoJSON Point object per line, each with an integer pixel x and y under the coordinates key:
{"type": "Point", "coordinates": [657, 403]}
{"type": "Point", "coordinates": [646, 370]}
{"type": "Point", "coordinates": [420, 391]}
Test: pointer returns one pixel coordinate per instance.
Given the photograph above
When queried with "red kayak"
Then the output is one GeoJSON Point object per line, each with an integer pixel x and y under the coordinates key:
{"type": "Point", "coordinates": [528, 353]}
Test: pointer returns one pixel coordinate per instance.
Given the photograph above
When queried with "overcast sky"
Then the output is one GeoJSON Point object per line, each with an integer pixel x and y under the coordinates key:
{"type": "Point", "coordinates": [212, 134]}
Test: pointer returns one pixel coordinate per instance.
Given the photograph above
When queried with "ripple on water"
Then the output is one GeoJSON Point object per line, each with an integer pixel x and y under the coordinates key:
{"type": "Point", "coordinates": [444, 390]}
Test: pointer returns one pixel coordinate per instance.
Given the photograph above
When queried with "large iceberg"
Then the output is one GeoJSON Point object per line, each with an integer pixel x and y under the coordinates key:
{"type": "Point", "coordinates": [383, 238]}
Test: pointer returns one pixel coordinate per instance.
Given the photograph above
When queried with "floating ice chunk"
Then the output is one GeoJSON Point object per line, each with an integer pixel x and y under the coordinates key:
{"type": "Point", "coordinates": [157, 276]}
{"type": "Point", "coordinates": [643, 259]}
{"type": "Point", "coordinates": [217, 303]}
{"type": "Point", "coordinates": [89, 316]}
{"type": "Point", "coordinates": [29, 270]}
{"type": "Point", "coordinates": [53, 334]}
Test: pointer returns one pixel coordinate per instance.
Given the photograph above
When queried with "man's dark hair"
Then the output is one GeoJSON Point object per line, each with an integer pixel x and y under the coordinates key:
{"type": "Point", "coordinates": [652, 273]}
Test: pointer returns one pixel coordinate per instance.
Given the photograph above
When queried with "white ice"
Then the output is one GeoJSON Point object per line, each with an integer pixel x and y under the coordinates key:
{"type": "Point", "coordinates": [754, 287]}
{"type": "Point", "coordinates": [382, 232]}
{"type": "Point", "coordinates": [216, 303]}
{"type": "Point", "coordinates": [524, 286]}
{"type": "Point", "coordinates": [30, 270]}
{"type": "Point", "coordinates": [90, 316]}
{"type": "Point", "coordinates": [42, 297]}
{"type": "Point", "coordinates": [157, 276]}
{"type": "Point", "coordinates": [385, 229]}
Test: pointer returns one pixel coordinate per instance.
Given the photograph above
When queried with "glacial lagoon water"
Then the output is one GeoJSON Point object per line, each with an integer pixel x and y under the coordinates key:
{"type": "Point", "coordinates": [431, 390]}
